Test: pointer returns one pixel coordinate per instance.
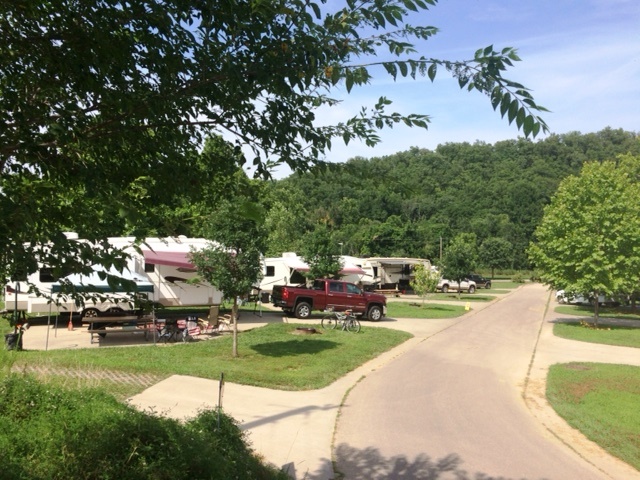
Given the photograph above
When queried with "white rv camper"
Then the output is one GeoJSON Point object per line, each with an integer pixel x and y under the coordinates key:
{"type": "Point", "coordinates": [289, 269]}
{"type": "Point", "coordinates": [94, 288]}
{"type": "Point", "coordinates": [162, 272]}
{"type": "Point", "coordinates": [166, 263]}
{"type": "Point", "coordinates": [285, 270]}
{"type": "Point", "coordinates": [391, 273]}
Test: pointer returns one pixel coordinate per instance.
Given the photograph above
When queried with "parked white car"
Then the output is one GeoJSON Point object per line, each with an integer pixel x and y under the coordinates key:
{"type": "Point", "coordinates": [445, 285]}
{"type": "Point", "coordinates": [568, 298]}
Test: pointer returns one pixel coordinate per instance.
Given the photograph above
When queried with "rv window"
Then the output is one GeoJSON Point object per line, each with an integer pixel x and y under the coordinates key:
{"type": "Point", "coordinates": [271, 271]}
{"type": "Point", "coordinates": [149, 267]}
{"type": "Point", "coordinates": [46, 275]}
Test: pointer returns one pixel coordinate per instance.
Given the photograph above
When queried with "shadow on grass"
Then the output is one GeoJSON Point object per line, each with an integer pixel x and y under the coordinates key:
{"type": "Point", "coordinates": [437, 308]}
{"type": "Point", "coordinates": [474, 297]}
{"type": "Point", "coordinates": [293, 347]}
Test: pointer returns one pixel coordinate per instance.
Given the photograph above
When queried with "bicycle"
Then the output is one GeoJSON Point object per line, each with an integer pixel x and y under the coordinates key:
{"type": "Point", "coordinates": [347, 319]}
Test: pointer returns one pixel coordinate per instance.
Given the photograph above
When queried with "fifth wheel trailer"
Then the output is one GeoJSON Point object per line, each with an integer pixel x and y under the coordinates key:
{"type": "Point", "coordinates": [160, 267]}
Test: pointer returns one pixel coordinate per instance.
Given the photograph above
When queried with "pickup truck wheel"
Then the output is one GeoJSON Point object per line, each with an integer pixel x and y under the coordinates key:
{"type": "Point", "coordinates": [90, 313]}
{"type": "Point", "coordinates": [374, 314]}
{"type": "Point", "coordinates": [472, 289]}
{"type": "Point", "coordinates": [445, 288]}
{"type": "Point", "coordinates": [303, 310]}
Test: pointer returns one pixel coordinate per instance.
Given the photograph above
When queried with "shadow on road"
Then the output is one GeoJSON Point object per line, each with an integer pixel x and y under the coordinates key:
{"type": "Point", "coordinates": [370, 464]}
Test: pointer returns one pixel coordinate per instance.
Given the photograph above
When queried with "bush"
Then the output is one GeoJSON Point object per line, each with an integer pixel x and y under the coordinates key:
{"type": "Point", "coordinates": [518, 278]}
{"type": "Point", "coordinates": [54, 433]}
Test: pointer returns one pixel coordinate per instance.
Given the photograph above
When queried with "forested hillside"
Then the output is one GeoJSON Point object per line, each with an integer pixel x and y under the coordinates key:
{"type": "Point", "coordinates": [406, 204]}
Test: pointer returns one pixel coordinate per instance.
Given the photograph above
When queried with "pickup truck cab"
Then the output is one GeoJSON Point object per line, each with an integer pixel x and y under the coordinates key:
{"type": "Point", "coordinates": [326, 294]}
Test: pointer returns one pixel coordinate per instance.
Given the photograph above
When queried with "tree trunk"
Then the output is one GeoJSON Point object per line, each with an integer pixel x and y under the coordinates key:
{"type": "Point", "coordinates": [596, 307]}
{"type": "Point", "coordinates": [234, 316]}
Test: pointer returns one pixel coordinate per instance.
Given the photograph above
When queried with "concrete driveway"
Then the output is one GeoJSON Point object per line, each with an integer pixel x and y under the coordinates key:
{"type": "Point", "coordinates": [468, 403]}
{"type": "Point", "coordinates": [463, 399]}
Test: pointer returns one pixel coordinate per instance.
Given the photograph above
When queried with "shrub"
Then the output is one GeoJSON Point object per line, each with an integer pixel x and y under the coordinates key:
{"type": "Point", "coordinates": [54, 433]}
{"type": "Point", "coordinates": [518, 278]}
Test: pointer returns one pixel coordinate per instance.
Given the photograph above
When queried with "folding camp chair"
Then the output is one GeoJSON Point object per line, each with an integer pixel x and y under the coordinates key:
{"type": "Point", "coordinates": [189, 328]}
{"type": "Point", "coordinates": [215, 323]}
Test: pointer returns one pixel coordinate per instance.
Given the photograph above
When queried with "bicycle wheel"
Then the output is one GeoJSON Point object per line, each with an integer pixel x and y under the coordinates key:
{"type": "Point", "coordinates": [329, 321]}
{"type": "Point", "coordinates": [353, 325]}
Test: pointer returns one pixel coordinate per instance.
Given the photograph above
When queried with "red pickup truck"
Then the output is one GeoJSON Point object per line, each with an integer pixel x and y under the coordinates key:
{"type": "Point", "coordinates": [329, 294]}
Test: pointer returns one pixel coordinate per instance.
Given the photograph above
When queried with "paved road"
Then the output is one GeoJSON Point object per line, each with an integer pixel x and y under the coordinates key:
{"type": "Point", "coordinates": [466, 404]}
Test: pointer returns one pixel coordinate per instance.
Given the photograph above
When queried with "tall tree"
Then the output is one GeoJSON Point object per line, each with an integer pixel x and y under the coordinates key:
{"type": "Point", "coordinates": [321, 253]}
{"type": "Point", "coordinates": [460, 258]}
{"type": "Point", "coordinates": [496, 252]}
{"type": "Point", "coordinates": [232, 262]}
{"type": "Point", "coordinates": [106, 103]}
{"type": "Point", "coordinates": [589, 239]}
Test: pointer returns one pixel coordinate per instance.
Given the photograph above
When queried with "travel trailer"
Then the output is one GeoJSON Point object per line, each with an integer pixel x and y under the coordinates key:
{"type": "Point", "coordinates": [160, 268]}
{"type": "Point", "coordinates": [289, 270]}
{"type": "Point", "coordinates": [390, 273]}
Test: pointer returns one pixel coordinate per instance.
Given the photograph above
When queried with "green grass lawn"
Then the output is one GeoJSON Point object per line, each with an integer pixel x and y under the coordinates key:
{"type": "Point", "coordinates": [608, 312]}
{"type": "Point", "coordinates": [504, 284]}
{"type": "Point", "coordinates": [465, 297]}
{"type": "Point", "coordinates": [608, 335]}
{"type": "Point", "coordinates": [605, 333]}
{"type": "Point", "coordinates": [428, 310]}
{"type": "Point", "coordinates": [271, 356]}
{"type": "Point", "coordinates": [601, 401]}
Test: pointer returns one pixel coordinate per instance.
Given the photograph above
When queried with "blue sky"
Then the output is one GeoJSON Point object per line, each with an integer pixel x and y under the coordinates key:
{"type": "Point", "coordinates": [580, 58]}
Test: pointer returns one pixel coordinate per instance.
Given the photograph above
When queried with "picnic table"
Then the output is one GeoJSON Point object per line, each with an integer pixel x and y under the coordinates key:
{"type": "Point", "coordinates": [100, 326]}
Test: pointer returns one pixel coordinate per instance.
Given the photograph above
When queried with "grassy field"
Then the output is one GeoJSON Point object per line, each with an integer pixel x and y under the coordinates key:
{"type": "Point", "coordinates": [479, 296]}
{"type": "Point", "coordinates": [607, 332]}
{"type": "Point", "coordinates": [604, 312]}
{"type": "Point", "coordinates": [601, 401]}
{"type": "Point", "coordinates": [607, 335]}
{"type": "Point", "coordinates": [428, 310]}
{"type": "Point", "coordinates": [272, 356]}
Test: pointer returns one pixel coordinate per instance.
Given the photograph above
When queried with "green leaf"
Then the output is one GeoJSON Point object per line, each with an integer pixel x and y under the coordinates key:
{"type": "Point", "coordinates": [349, 81]}
{"type": "Point", "coordinates": [391, 69]}
{"type": "Point", "coordinates": [513, 110]}
{"type": "Point", "coordinates": [520, 118]}
{"type": "Point", "coordinates": [529, 125]}
{"type": "Point", "coordinates": [433, 70]}
{"type": "Point", "coordinates": [504, 104]}
{"type": "Point", "coordinates": [496, 96]}
{"type": "Point", "coordinates": [316, 10]}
